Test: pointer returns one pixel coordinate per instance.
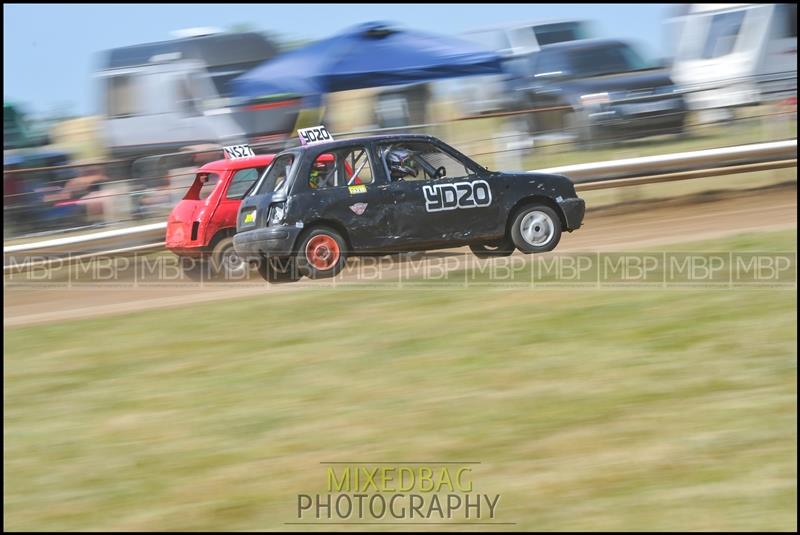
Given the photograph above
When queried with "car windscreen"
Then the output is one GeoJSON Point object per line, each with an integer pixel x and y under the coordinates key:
{"type": "Point", "coordinates": [275, 176]}
{"type": "Point", "coordinates": [598, 61]}
{"type": "Point", "coordinates": [559, 32]}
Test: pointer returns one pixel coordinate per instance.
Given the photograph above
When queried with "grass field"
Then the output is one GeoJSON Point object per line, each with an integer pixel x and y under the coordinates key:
{"type": "Point", "coordinates": [588, 409]}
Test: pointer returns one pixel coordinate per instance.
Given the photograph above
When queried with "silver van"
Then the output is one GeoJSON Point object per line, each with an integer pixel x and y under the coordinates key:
{"type": "Point", "coordinates": [160, 97]}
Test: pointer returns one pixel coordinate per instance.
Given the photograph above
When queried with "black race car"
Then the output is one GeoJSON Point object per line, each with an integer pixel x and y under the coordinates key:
{"type": "Point", "coordinates": [318, 203]}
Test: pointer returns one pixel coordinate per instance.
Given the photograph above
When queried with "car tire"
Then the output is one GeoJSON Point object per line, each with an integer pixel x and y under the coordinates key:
{"type": "Point", "coordinates": [226, 262]}
{"type": "Point", "coordinates": [278, 270]}
{"type": "Point", "coordinates": [496, 249]}
{"type": "Point", "coordinates": [322, 253]}
{"type": "Point", "coordinates": [536, 229]}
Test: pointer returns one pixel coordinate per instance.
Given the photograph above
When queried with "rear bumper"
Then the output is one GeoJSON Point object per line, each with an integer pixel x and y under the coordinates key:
{"type": "Point", "coordinates": [278, 241]}
{"type": "Point", "coordinates": [574, 210]}
{"type": "Point", "coordinates": [185, 239]}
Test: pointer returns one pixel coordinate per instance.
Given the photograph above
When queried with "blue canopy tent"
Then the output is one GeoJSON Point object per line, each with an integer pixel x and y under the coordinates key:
{"type": "Point", "coordinates": [372, 54]}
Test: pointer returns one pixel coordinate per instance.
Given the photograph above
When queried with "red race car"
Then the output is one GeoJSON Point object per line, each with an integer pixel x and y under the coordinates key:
{"type": "Point", "coordinates": [202, 225]}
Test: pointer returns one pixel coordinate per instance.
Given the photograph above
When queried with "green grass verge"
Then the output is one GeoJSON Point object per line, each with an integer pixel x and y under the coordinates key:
{"type": "Point", "coordinates": [588, 409]}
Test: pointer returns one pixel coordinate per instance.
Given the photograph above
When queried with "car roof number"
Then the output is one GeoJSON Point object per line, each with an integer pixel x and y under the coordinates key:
{"type": "Point", "coordinates": [235, 152]}
{"type": "Point", "coordinates": [313, 135]}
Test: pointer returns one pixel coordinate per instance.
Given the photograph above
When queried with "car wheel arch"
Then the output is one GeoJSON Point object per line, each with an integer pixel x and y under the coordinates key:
{"type": "Point", "coordinates": [220, 235]}
{"type": "Point", "coordinates": [322, 223]}
{"type": "Point", "coordinates": [530, 200]}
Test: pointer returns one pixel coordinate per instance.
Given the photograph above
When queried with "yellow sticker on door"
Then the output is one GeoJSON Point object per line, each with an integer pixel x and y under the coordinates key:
{"type": "Point", "coordinates": [360, 188]}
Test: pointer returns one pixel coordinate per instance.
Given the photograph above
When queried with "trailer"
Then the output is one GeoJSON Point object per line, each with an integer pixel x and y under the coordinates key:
{"type": "Point", "coordinates": [730, 55]}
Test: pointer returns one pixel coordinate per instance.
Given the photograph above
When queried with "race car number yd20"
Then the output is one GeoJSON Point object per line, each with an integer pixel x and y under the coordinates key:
{"type": "Point", "coordinates": [440, 197]}
{"type": "Point", "coordinates": [316, 134]}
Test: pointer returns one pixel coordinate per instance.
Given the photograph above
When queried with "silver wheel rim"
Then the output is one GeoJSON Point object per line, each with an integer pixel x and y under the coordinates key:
{"type": "Point", "coordinates": [537, 228]}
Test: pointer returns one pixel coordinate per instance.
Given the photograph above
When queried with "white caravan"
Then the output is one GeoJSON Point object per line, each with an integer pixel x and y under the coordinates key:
{"type": "Point", "coordinates": [736, 54]}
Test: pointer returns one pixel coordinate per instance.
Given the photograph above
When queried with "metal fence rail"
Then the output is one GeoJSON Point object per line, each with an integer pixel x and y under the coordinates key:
{"type": "Point", "coordinates": [686, 175]}
{"type": "Point", "coordinates": [680, 161]}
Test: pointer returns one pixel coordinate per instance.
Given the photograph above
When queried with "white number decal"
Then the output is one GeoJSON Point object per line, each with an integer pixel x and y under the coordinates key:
{"type": "Point", "coordinates": [235, 152]}
{"type": "Point", "coordinates": [315, 134]}
{"type": "Point", "coordinates": [440, 197]}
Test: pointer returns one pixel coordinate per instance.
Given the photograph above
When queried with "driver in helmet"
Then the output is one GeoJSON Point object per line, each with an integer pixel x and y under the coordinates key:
{"type": "Point", "coordinates": [401, 163]}
{"type": "Point", "coordinates": [319, 171]}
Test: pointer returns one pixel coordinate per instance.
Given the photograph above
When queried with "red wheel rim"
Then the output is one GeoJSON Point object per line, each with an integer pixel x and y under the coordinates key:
{"type": "Point", "coordinates": [322, 252]}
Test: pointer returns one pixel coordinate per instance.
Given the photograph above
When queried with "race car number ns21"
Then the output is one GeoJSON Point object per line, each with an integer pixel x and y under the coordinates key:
{"type": "Point", "coordinates": [440, 197]}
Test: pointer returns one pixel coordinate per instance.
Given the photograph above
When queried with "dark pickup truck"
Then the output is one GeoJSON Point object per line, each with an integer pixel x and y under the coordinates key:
{"type": "Point", "coordinates": [319, 203]}
{"type": "Point", "coordinates": [601, 89]}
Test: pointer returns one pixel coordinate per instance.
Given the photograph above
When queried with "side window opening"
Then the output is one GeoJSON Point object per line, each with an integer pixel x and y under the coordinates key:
{"type": "Point", "coordinates": [345, 167]}
{"type": "Point", "coordinates": [324, 172]}
{"type": "Point", "coordinates": [420, 161]}
{"type": "Point", "coordinates": [202, 187]}
{"type": "Point", "coordinates": [242, 181]}
{"type": "Point", "coordinates": [275, 175]}
{"type": "Point", "coordinates": [357, 167]}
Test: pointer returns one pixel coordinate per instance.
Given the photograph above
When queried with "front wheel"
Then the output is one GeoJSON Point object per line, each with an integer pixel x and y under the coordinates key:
{"type": "Point", "coordinates": [322, 253]}
{"type": "Point", "coordinates": [536, 229]}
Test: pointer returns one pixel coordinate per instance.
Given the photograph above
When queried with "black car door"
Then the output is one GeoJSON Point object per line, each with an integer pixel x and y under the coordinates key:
{"type": "Point", "coordinates": [462, 207]}
{"type": "Point", "coordinates": [341, 188]}
{"type": "Point", "coordinates": [444, 202]}
{"type": "Point", "coordinates": [403, 200]}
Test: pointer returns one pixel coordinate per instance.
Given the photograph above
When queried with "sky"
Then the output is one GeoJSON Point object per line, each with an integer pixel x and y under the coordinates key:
{"type": "Point", "coordinates": [50, 50]}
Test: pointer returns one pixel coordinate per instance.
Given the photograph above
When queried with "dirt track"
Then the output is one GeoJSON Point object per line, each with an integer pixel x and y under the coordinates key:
{"type": "Point", "coordinates": [647, 225]}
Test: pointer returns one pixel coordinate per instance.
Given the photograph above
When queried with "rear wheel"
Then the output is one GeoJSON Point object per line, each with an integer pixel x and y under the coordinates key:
{"type": "Point", "coordinates": [322, 253]}
{"type": "Point", "coordinates": [504, 247]}
{"type": "Point", "coordinates": [536, 229]}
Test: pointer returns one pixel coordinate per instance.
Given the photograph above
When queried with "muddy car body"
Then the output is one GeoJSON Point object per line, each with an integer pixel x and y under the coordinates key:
{"type": "Point", "coordinates": [394, 193]}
